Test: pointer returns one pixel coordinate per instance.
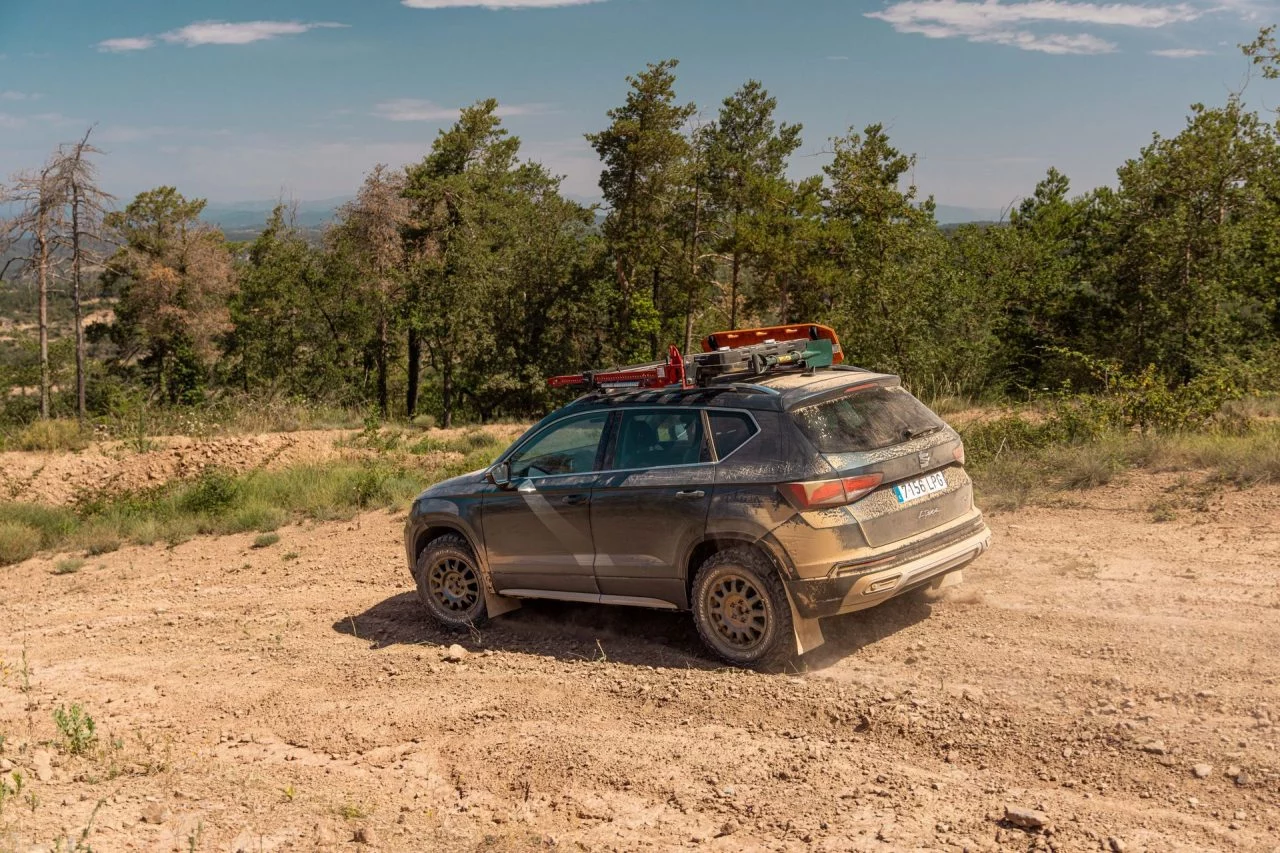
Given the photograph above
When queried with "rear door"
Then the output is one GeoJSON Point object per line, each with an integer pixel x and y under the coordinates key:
{"type": "Point", "coordinates": [881, 429]}
{"type": "Point", "coordinates": [537, 533]}
{"type": "Point", "coordinates": [650, 506]}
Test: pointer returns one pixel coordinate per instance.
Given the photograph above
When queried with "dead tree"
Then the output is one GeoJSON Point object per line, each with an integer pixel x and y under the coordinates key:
{"type": "Point", "coordinates": [42, 199]}
{"type": "Point", "coordinates": [87, 204]}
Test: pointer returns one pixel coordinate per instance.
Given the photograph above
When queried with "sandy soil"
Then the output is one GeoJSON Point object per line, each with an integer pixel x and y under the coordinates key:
{"type": "Point", "coordinates": [293, 697]}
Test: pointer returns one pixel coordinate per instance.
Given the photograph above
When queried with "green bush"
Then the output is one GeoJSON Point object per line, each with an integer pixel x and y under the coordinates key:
{"type": "Point", "coordinates": [18, 542]}
{"type": "Point", "coordinates": [212, 494]}
{"type": "Point", "coordinates": [76, 727]}
{"type": "Point", "coordinates": [51, 435]}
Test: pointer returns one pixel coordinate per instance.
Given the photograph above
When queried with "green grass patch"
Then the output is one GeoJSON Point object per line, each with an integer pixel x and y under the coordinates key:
{"type": "Point", "coordinates": [221, 503]}
{"type": "Point", "coordinates": [48, 436]}
{"type": "Point", "coordinates": [265, 540]}
{"type": "Point", "coordinates": [1012, 465]}
{"type": "Point", "coordinates": [68, 566]}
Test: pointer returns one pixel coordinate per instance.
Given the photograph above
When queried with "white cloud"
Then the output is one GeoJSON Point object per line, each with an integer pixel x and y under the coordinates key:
{"type": "Point", "coordinates": [412, 109]}
{"type": "Point", "coordinates": [10, 95]}
{"type": "Point", "coordinates": [1007, 23]}
{"type": "Point", "coordinates": [494, 4]}
{"type": "Point", "coordinates": [1180, 53]}
{"type": "Point", "coordinates": [13, 122]}
{"type": "Point", "coordinates": [126, 44]}
{"type": "Point", "coordinates": [216, 32]}
{"type": "Point", "coordinates": [223, 32]}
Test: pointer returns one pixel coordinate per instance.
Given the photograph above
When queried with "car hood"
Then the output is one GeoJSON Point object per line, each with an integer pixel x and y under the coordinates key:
{"type": "Point", "coordinates": [461, 486]}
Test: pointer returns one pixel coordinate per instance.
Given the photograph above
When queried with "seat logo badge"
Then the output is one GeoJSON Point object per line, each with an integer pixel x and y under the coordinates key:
{"type": "Point", "coordinates": [924, 457]}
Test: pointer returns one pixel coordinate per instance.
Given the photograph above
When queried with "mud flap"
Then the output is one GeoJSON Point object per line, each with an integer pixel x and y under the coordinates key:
{"type": "Point", "coordinates": [808, 632]}
{"type": "Point", "coordinates": [496, 605]}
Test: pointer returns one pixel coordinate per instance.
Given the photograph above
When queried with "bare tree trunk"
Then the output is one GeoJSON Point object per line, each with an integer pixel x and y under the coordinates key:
{"type": "Point", "coordinates": [42, 279]}
{"type": "Point", "coordinates": [693, 271]}
{"type": "Point", "coordinates": [383, 405]}
{"type": "Point", "coordinates": [733, 293]}
{"type": "Point", "coordinates": [446, 392]}
{"type": "Point", "coordinates": [415, 367]}
{"type": "Point", "coordinates": [75, 298]}
{"type": "Point", "coordinates": [653, 336]}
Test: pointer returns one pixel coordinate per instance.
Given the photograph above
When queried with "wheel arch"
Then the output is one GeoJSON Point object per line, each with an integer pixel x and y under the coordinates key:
{"type": "Point", "coordinates": [714, 543]}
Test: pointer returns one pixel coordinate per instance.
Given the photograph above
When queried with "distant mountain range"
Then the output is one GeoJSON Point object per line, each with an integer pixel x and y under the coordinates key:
{"type": "Point", "coordinates": [240, 217]}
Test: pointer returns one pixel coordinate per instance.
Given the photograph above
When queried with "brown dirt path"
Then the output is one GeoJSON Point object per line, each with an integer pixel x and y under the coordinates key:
{"type": "Point", "coordinates": [293, 698]}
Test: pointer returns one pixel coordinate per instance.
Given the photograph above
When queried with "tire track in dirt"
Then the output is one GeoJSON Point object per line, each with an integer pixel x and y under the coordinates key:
{"type": "Point", "coordinates": [292, 697]}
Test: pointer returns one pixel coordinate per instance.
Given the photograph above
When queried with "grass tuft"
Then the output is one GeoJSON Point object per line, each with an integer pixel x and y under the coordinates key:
{"type": "Point", "coordinates": [266, 540]}
{"type": "Point", "coordinates": [18, 542]}
{"type": "Point", "coordinates": [68, 566]}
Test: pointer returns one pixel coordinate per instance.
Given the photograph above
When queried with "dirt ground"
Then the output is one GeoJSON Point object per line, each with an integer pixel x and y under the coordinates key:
{"type": "Point", "coordinates": [1118, 674]}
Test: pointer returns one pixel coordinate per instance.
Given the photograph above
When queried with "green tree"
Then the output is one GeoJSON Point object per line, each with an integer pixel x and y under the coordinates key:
{"type": "Point", "coordinates": [174, 278]}
{"type": "Point", "coordinates": [747, 154]}
{"type": "Point", "coordinates": [646, 156]}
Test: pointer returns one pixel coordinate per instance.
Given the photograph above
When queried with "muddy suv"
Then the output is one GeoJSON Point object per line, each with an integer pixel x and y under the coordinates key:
{"type": "Point", "coordinates": [760, 507]}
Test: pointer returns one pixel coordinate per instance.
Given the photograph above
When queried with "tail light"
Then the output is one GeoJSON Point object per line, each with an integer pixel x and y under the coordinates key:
{"type": "Point", "coordinates": [815, 494]}
{"type": "Point", "coordinates": [959, 453]}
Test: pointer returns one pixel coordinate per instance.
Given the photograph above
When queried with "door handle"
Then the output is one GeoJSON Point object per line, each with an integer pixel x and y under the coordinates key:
{"type": "Point", "coordinates": [573, 500]}
{"type": "Point", "coordinates": [691, 493]}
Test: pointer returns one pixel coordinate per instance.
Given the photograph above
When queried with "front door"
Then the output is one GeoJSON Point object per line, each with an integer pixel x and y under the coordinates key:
{"type": "Point", "coordinates": [650, 506]}
{"type": "Point", "coordinates": [537, 532]}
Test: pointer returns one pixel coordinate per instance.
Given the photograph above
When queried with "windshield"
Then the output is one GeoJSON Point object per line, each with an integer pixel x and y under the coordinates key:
{"type": "Point", "coordinates": [866, 419]}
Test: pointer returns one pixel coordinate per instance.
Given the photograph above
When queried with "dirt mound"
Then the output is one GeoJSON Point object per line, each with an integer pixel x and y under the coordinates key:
{"type": "Point", "coordinates": [113, 467]}
{"type": "Point", "coordinates": [1101, 682]}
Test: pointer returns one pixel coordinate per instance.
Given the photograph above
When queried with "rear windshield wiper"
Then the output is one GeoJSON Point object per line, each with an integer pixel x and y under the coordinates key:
{"type": "Point", "coordinates": [908, 433]}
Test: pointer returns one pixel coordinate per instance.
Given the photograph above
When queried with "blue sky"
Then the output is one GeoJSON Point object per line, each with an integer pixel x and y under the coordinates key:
{"type": "Point", "coordinates": [251, 99]}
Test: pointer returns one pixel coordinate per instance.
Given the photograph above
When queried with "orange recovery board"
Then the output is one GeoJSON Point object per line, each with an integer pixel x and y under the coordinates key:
{"type": "Point", "coordinates": [799, 332]}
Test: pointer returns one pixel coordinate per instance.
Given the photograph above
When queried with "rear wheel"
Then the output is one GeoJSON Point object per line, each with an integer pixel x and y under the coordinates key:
{"type": "Point", "coordinates": [450, 583]}
{"type": "Point", "coordinates": [741, 609]}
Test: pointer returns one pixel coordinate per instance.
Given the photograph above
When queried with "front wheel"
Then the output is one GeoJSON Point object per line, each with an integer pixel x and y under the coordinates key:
{"type": "Point", "coordinates": [741, 609]}
{"type": "Point", "coordinates": [449, 582]}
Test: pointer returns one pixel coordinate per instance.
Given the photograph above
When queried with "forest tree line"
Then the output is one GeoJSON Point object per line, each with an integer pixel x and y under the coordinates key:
{"type": "Point", "coordinates": [456, 285]}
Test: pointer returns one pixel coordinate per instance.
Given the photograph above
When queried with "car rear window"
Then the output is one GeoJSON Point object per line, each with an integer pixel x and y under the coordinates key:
{"type": "Point", "coordinates": [863, 419]}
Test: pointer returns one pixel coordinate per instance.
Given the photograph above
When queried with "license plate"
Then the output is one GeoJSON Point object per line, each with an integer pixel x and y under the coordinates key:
{"type": "Point", "coordinates": [919, 488]}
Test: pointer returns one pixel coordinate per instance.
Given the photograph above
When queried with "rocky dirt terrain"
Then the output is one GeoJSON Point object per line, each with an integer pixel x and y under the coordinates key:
{"type": "Point", "coordinates": [1102, 681]}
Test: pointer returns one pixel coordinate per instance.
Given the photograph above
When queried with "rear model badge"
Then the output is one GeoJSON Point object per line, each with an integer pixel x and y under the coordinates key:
{"type": "Point", "coordinates": [925, 513]}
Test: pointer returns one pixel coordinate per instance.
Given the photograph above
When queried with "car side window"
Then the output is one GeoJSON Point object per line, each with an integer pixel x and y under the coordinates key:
{"type": "Point", "coordinates": [658, 438]}
{"type": "Point", "coordinates": [730, 430]}
{"type": "Point", "coordinates": [566, 448]}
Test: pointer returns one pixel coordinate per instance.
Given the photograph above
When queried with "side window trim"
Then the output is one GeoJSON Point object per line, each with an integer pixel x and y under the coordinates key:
{"type": "Point", "coordinates": [604, 437]}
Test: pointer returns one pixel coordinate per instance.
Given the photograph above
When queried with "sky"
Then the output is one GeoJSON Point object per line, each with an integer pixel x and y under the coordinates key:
{"type": "Point", "coordinates": [235, 100]}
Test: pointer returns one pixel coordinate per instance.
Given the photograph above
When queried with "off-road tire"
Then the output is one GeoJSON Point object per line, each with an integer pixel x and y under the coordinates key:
{"type": "Point", "coordinates": [741, 610]}
{"type": "Point", "coordinates": [450, 582]}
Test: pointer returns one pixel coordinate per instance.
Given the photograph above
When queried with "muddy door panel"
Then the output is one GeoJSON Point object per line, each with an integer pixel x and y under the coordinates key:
{"type": "Point", "coordinates": [643, 524]}
{"type": "Point", "coordinates": [538, 535]}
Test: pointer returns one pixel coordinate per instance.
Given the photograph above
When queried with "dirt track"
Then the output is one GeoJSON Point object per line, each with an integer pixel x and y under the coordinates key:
{"type": "Point", "coordinates": [294, 698]}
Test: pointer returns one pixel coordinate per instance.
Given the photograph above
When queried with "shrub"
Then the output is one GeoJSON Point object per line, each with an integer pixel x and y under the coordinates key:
{"type": "Point", "coordinates": [68, 566]}
{"type": "Point", "coordinates": [51, 435]}
{"type": "Point", "coordinates": [76, 728]}
{"type": "Point", "coordinates": [18, 542]}
{"type": "Point", "coordinates": [212, 494]}
{"type": "Point", "coordinates": [266, 540]}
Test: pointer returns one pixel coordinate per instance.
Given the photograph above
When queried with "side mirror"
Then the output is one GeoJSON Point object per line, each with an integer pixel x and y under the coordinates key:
{"type": "Point", "coordinates": [500, 475]}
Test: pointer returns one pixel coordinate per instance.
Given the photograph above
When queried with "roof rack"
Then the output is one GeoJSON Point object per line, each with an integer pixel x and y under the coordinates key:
{"type": "Point", "coordinates": [726, 359]}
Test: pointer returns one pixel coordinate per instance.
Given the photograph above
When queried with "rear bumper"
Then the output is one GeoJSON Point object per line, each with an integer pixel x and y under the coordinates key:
{"type": "Point", "coordinates": [831, 596]}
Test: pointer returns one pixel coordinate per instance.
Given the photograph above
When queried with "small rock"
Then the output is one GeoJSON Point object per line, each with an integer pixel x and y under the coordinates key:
{"type": "Point", "coordinates": [155, 813]}
{"type": "Point", "coordinates": [1116, 845]}
{"type": "Point", "coordinates": [5, 765]}
{"type": "Point", "coordinates": [1242, 778]}
{"type": "Point", "coordinates": [729, 828]}
{"type": "Point", "coordinates": [455, 653]}
{"type": "Point", "coordinates": [1155, 747]}
{"type": "Point", "coordinates": [365, 835]}
{"type": "Point", "coordinates": [1202, 771]}
{"type": "Point", "coordinates": [1025, 818]}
